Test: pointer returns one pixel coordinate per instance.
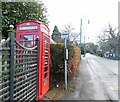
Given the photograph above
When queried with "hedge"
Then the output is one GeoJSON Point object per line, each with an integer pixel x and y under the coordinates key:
{"type": "Point", "coordinates": [57, 62]}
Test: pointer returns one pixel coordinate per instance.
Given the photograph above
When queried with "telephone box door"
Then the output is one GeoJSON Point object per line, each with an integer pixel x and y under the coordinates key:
{"type": "Point", "coordinates": [45, 63]}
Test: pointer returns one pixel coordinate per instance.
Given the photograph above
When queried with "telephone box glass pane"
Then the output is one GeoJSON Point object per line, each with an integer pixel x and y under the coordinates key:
{"type": "Point", "coordinates": [45, 69]}
{"type": "Point", "coordinates": [46, 51]}
{"type": "Point", "coordinates": [46, 39]}
{"type": "Point", "coordinates": [28, 37]}
{"type": "Point", "coordinates": [28, 40]}
{"type": "Point", "coordinates": [45, 81]}
{"type": "Point", "coordinates": [45, 63]}
{"type": "Point", "coordinates": [27, 44]}
{"type": "Point", "coordinates": [46, 45]}
{"type": "Point", "coordinates": [45, 75]}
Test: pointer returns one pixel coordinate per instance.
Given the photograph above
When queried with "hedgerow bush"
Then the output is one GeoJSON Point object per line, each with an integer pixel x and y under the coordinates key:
{"type": "Point", "coordinates": [57, 62]}
{"type": "Point", "coordinates": [73, 62]}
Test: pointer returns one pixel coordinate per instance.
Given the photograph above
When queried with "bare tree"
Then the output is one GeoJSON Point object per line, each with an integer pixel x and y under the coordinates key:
{"type": "Point", "coordinates": [69, 28]}
{"type": "Point", "coordinates": [108, 41]}
{"type": "Point", "coordinates": [72, 35]}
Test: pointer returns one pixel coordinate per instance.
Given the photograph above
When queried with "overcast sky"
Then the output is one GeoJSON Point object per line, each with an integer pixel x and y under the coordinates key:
{"type": "Point", "coordinates": [99, 12]}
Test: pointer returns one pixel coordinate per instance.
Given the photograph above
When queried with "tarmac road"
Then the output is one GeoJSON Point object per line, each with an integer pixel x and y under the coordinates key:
{"type": "Point", "coordinates": [96, 79]}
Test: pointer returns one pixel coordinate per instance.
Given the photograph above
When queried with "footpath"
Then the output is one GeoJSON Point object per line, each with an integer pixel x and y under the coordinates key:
{"type": "Point", "coordinates": [57, 93]}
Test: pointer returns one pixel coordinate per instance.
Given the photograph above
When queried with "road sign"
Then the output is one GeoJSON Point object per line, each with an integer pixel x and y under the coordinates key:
{"type": "Point", "coordinates": [65, 35]}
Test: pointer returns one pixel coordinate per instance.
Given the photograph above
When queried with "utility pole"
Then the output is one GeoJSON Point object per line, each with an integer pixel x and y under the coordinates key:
{"type": "Point", "coordinates": [84, 47]}
{"type": "Point", "coordinates": [65, 63]}
{"type": "Point", "coordinates": [65, 35]}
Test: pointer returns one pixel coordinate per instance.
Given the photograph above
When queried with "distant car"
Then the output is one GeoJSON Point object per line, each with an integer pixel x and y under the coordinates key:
{"type": "Point", "coordinates": [111, 55]}
{"type": "Point", "coordinates": [106, 54]}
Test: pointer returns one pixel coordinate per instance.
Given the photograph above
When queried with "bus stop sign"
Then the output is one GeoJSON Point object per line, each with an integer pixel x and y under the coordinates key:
{"type": "Point", "coordinates": [65, 35]}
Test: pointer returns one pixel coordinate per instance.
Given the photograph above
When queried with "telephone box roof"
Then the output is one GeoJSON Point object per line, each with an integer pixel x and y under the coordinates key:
{"type": "Point", "coordinates": [33, 22]}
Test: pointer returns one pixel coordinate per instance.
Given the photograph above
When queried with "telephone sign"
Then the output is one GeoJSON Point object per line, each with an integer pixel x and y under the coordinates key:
{"type": "Point", "coordinates": [28, 28]}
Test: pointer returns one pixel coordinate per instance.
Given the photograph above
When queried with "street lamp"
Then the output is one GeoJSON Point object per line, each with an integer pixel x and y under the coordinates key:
{"type": "Point", "coordinates": [81, 37]}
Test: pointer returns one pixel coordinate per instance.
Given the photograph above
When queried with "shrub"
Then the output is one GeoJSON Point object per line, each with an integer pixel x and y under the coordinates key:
{"type": "Point", "coordinates": [57, 62]}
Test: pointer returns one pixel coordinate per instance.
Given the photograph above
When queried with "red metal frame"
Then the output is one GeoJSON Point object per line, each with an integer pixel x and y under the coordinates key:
{"type": "Point", "coordinates": [41, 30]}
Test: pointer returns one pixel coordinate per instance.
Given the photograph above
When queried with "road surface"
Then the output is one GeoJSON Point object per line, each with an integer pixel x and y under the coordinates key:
{"type": "Point", "coordinates": [96, 79]}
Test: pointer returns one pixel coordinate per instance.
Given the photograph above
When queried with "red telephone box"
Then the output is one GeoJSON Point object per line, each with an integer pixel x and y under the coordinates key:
{"type": "Point", "coordinates": [26, 33]}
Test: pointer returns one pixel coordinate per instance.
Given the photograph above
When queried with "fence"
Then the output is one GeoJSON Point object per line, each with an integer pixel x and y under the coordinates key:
{"type": "Point", "coordinates": [18, 70]}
